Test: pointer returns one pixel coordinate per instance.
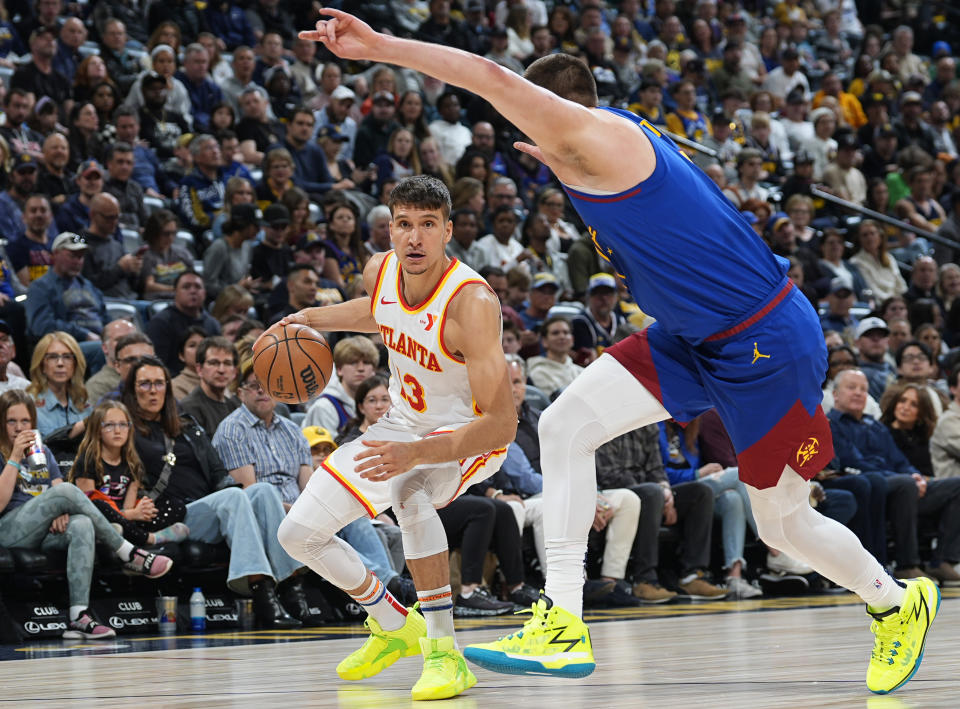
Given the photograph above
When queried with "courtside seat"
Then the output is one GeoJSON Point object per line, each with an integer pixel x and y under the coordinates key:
{"type": "Point", "coordinates": [30, 561]}
{"type": "Point", "coordinates": [200, 555]}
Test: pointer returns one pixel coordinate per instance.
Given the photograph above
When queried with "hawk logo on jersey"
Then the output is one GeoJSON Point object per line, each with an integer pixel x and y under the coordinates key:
{"type": "Point", "coordinates": [807, 451]}
{"type": "Point", "coordinates": [404, 344]}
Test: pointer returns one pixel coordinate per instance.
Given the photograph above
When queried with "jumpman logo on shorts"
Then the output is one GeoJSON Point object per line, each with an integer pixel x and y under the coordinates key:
{"type": "Point", "coordinates": [757, 355]}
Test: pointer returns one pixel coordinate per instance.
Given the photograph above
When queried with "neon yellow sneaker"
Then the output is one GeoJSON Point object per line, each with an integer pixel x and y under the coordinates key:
{"type": "Point", "coordinates": [384, 647]}
{"type": "Point", "coordinates": [552, 642]}
{"type": "Point", "coordinates": [900, 635]}
{"type": "Point", "coordinates": [445, 673]}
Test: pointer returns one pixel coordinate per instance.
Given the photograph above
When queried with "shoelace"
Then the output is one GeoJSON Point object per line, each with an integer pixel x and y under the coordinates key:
{"type": "Point", "coordinates": [435, 661]}
{"type": "Point", "coordinates": [538, 619]}
{"type": "Point", "coordinates": [886, 646]}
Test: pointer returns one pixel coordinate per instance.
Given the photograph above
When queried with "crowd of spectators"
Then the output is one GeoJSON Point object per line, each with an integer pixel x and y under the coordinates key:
{"type": "Point", "coordinates": [175, 177]}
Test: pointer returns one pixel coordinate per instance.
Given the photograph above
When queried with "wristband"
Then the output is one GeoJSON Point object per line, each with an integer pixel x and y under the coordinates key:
{"type": "Point", "coordinates": [15, 465]}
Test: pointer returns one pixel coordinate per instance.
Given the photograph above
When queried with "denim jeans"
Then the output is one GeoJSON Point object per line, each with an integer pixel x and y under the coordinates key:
{"type": "Point", "coordinates": [732, 506]}
{"type": "Point", "coordinates": [28, 527]}
{"type": "Point", "coordinates": [247, 520]}
{"type": "Point", "coordinates": [363, 537]}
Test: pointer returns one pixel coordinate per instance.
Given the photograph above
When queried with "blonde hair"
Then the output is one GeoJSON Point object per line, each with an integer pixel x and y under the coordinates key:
{"type": "Point", "coordinates": [355, 349]}
{"type": "Point", "coordinates": [89, 458]}
{"type": "Point", "coordinates": [76, 392]}
{"type": "Point", "coordinates": [230, 296]}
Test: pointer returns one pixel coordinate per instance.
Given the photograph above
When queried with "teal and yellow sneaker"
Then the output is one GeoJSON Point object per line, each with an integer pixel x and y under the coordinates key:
{"type": "Point", "coordinates": [384, 647]}
{"type": "Point", "coordinates": [552, 642]}
{"type": "Point", "coordinates": [899, 636]}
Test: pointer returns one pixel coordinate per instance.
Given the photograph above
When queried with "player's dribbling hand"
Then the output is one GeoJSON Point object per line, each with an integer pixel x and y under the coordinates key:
{"type": "Point", "coordinates": [383, 460]}
{"type": "Point", "coordinates": [295, 319]}
{"type": "Point", "coordinates": [344, 35]}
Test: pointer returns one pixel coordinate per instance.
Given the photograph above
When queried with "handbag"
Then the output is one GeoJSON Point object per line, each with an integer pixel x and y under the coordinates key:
{"type": "Point", "coordinates": [169, 509]}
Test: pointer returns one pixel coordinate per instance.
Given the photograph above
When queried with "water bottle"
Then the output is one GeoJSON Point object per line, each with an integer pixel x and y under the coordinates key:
{"type": "Point", "coordinates": [198, 611]}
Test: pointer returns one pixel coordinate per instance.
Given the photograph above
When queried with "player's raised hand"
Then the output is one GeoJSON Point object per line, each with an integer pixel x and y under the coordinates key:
{"type": "Point", "coordinates": [344, 35]}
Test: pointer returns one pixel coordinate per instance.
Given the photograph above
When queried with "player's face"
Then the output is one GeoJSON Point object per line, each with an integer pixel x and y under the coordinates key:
{"type": "Point", "coordinates": [419, 238]}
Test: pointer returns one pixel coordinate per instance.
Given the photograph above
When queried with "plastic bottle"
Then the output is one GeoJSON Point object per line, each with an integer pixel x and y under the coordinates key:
{"type": "Point", "coordinates": [198, 611]}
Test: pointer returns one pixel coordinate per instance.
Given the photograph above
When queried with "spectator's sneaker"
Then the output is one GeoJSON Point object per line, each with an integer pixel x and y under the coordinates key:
{"type": "Point", "coordinates": [85, 627]}
{"type": "Point", "coordinates": [145, 563]}
{"type": "Point", "coordinates": [900, 634]}
{"type": "Point", "coordinates": [945, 574]}
{"type": "Point", "coordinates": [620, 597]}
{"type": "Point", "coordinates": [384, 647]}
{"type": "Point", "coordinates": [525, 596]}
{"type": "Point", "coordinates": [741, 588]}
{"type": "Point", "coordinates": [480, 603]}
{"type": "Point", "coordinates": [910, 572]}
{"type": "Point", "coordinates": [651, 592]}
{"type": "Point", "coordinates": [445, 673]}
{"type": "Point", "coordinates": [697, 587]}
{"type": "Point", "coordinates": [403, 589]}
{"type": "Point", "coordinates": [553, 641]}
{"type": "Point", "coordinates": [596, 590]}
{"type": "Point", "coordinates": [783, 564]}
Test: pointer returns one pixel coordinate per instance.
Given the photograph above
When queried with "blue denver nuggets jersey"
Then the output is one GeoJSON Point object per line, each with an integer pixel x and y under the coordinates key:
{"type": "Point", "coordinates": [688, 256]}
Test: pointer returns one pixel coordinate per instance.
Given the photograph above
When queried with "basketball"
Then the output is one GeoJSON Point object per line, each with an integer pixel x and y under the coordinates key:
{"type": "Point", "coordinates": [293, 362]}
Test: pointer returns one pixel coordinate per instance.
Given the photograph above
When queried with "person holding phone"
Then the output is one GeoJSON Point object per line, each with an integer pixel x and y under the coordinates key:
{"type": "Point", "coordinates": [115, 273]}
{"type": "Point", "coordinates": [163, 260]}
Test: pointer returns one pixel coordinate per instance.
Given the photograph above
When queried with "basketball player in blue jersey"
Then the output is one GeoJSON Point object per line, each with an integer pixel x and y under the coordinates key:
{"type": "Point", "coordinates": [732, 333]}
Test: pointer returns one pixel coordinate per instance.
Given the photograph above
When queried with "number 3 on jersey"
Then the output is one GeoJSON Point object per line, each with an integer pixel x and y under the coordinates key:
{"type": "Point", "coordinates": [415, 397]}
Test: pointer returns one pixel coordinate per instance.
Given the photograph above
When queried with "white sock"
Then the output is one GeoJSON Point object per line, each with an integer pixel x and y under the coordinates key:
{"type": "Point", "coordinates": [437, 608]}
{"type": "Point", "coordinates": [125, 551]}
{"type": "Point", "coordinates": [463, 594]}
{"type": "Point", "coordinates": [75, 612]}
{"type": "Point", "coordinates": [380, 605]}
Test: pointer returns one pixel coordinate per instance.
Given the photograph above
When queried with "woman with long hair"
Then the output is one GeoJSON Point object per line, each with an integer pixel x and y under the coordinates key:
{"type": "Point", "coordinates": [232, 300]}
{"type": "Point", "coordinates": [108, 470]}
{"type": "Point", "coordinates": [346, 255]}
{"type": "Point", "coordinates": [399, 160]}
{"type": "Point", "coordinates": [372, 399]}
{"type": "Point", "coordinates": [39, 511]}
{"type": "Point", "coordinates": [468, 193]}
{"type": "Point", "coordinates": [57, 371]}
{"type": "Point", "coordinates": [301, 225]}
{"type": "Point", "coordinates": [82, 124]}
{"type": "Point", "coordinates": [878, 269]}
{"type": "Point", "coordinates": [105, 97]}
{"type": "Point", "coordinates": [222, 117]}
{"type": "Point", "coordinates": [237, 191]}
{"type": "Point", "coordinates": [562, 24]}
{"type": "Point", "coordinates": [410, 115]}
{"type": "Point", "coordinates": [910, 416]}
{"type": "Point", "coordinates": [431, 160]}
{"type": "Point", "coordinates": [552, 203]}
{"type": "Point", "coordinates": [474, 164]}
{"type": "Point", "coordinates": [168, 33]}
{"type": "Point", "coordinates": [164, 259]}
{"type": "Point", "coordinates": [90, 71]}
{"type": "Point", "coordinates": [176, 450]}
{"type": "Point", "coordinates": [519, 43]}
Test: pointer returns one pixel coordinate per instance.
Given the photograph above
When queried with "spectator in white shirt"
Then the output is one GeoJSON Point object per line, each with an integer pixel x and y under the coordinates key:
{"type": "Point", "coordinates": [451, 135]}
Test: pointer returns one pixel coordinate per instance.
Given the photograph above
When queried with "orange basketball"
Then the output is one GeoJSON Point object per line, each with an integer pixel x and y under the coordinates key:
{"type": "Point", "coordinates": [292, 362]}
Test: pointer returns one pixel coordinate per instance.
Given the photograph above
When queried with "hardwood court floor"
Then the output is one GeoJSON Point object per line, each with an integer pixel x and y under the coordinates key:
{"type": "Point", "coordinates": [675, 657]}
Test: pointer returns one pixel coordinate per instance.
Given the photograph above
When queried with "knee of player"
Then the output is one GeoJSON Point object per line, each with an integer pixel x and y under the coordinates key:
{"type": "Point", "coordinates": [292, 536]}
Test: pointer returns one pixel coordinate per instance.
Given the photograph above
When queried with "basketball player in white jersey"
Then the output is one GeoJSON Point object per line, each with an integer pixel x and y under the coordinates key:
{"type": "Point", "coordinates": [441, 323]}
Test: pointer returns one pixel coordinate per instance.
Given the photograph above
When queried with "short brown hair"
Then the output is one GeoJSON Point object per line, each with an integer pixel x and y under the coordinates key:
{"type": "Point", "coordinates": [567, 76]}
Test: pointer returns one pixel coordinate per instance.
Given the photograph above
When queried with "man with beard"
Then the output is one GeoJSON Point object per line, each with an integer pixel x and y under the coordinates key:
{"type": "Point", "coordinates": [38, 76]}
{"type": "Point", "coordinates": [23, 183]}
{"type": "Point", "coordinates": [337, 113]}
{"type": "Point", "coordinates": [30, 251]}
{"type": "Point", "coordinates": [161, 128]}
{"type": "Point", "coordinates": [202, 191]}
{"type": "Point", "coordinates": [21, 138]}
{"type": "Point", "coordinates": [54, 181]}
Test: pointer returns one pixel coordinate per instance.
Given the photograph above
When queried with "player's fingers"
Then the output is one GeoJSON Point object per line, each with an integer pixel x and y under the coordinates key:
{"type": "Point", "coordinates": [529, 149]}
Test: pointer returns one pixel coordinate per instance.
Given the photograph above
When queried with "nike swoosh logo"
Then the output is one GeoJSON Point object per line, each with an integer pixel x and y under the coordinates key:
{"type": "Point", "coordinates": [384, 301]}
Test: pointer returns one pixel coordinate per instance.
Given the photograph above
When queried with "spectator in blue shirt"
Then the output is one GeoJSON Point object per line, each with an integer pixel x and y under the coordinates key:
{"type": "Point", "coordinates": [229, 22]}
{"type": "Point", "coordinates": [64, 300]}
{"type": "Point", "coordinates": [839, 301]}
{"type": "Point", "coordinates": [204, 94]}
{"type": "Point", "coordinates": [863, 444]}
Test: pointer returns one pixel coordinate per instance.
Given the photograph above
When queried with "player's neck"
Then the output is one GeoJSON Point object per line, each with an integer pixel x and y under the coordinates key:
{"type": "Point", "coordinates": [417, 287]}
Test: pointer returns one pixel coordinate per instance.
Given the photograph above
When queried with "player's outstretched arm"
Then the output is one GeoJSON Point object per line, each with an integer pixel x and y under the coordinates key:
{"type": "Point", "coordinates": [565, 133]}
{"type": "Point", "coordinates": [352, 315]}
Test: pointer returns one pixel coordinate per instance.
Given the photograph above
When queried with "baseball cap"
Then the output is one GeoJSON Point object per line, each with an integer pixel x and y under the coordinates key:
{"type": "Point", "coordinates": [601, 280]}
{"type": "Point", "coordinates": [874, 98]}
{"type": "Point", "coordinates": [272, 71]}
{"type": "Point", "coordinates": [840, 284]}
{"type": "Point", "coordinates": [475, 6]}
{"type": "Point", "coordinates": [316, 435]}
{"type": "Point", "coordinates": [777, 221]}
{"type": "Point", "coordinates": [796, 96]}
{"type": "Point", "coordinates": [152, 77]}
{"type": "Point", "coordinates": [45, 105]}
{"type": "Point", "coordinates": [749, 216]}
{"type": "Point", "coordinates": [868, 324]}
{"type": "Point", "coordinates": [245, 214]}
{"type": "Point", "coordinates": [790, 53]}
{"type": "Point", "coordinates": [5, 328]}
{"type": "Point", "coordinates": [802, 157]}
{"type": "Point", "coordinates": [276, 215]}
{"type": "Point", "coordinates": [735, 17]}
{"type": "Point", "coordinates": [818, 113]}
{"type": "Point", "coordinates": [25, 162]}
{"type": "Point", "coordinates": [88, 166]}
{"type": "Point", "coordinates": [719, 116]}
{"type": "Point", "coordinates": [309, 241]}
{"type": "Point", "coordinates": [332, 132]}
{"type": "Point", "coordinates": [748, 154]}
{"type": "Point", "coordinates": [847, 141]}
{"type": "Point", "coordinates": [543, 280]}
{"type": "Point", "coordinates": [940, 47]}
{"type": "Point", "coordinates": [342, 92]}
{"type": "Point", "coordinates": [43, 29]}
{"type": "Point", "coordinates": [911, 97]}
{"type": "Point", "coordinates": [886, 131]}
{"type": "Point", "coordinates": [69, 241]}
{"type": "Point", "coordinates": [385, 96]}
{"type": "Point", "coordinates": [622, 44]}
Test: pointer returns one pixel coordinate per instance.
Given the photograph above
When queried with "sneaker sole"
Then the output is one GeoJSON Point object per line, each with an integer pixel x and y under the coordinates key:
{"type": "Point", "coordinates": [923, 644]}
{"type": "Point", "coordinates": [656, 601]}
{"type": "Point", "coordinates": [80, 635]}
{"type": "Point", "coordinates": [502, 663]}
{"type": "Point", "coordinates": [447, 692]}
{"type": "Point", "coordinates": [703, 598]}
{"type": "Point", "coordinates": [472, 612]}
